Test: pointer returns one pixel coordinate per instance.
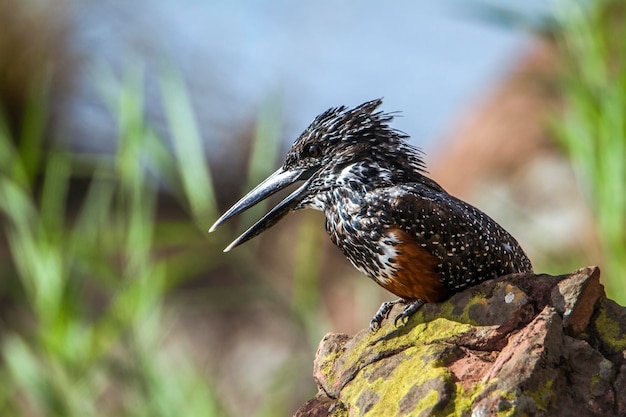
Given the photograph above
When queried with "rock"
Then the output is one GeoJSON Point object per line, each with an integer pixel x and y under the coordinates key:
{"type": "Point", "coordinates": [518, 345]}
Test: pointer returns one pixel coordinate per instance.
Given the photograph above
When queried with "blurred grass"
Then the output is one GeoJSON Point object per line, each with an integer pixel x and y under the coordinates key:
{"type": "Point", "coordinates": [591, 37]}
{"type": "Point", "coordinates": [87, 286]}
{"type": "Point", "coordinates": [89, 281]}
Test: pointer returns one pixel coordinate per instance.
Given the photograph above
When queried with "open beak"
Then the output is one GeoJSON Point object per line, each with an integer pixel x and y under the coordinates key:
{"type": "Point", "coordinates": [277, 181]}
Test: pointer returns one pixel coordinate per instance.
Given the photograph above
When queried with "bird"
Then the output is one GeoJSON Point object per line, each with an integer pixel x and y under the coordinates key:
{"type": "Point", "coordinates": [393, 223]}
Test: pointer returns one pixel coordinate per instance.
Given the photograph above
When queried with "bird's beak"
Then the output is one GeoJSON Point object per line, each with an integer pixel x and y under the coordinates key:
{"type": "Point", "coordinates": [275, 182]}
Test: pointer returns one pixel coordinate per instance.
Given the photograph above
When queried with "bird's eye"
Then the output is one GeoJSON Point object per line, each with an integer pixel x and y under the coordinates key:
{"type": "Point", "coordinates": [314, 151]}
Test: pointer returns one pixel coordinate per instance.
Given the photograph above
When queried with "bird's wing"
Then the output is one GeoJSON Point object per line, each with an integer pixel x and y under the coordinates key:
{"type": "Point", "coordinates": [468, 244]}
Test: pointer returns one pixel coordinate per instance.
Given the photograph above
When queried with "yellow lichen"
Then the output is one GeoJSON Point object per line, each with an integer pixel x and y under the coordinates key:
{"type": "Point", "coordinates": [609, 331]}
{"type": "Point", "coordinates": [411, 371]}
{"type": "Point", "coordinates": [423, 344]}
{"type": "Point", "coordinates": [542, 395]}
{"type": "Point", "coordinates": [327, 368]}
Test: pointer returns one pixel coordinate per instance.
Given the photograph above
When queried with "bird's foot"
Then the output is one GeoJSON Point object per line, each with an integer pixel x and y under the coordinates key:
{"type": "Point", "coordinates": [383, 313]}
{"type": "Point", "coordinates": [408, 311]}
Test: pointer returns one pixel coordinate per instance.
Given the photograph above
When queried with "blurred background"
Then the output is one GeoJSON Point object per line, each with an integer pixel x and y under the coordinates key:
{"type": "Point", "coordinates": [127, 127]}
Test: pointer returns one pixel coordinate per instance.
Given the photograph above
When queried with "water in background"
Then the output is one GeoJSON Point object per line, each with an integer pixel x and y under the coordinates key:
{"type": "Point", "coordinates": [427, 59]}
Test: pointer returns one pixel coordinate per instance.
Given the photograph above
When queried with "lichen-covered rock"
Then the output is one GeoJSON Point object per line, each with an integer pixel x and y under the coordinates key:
{"type": "Point", "coordinates": [518, 345]}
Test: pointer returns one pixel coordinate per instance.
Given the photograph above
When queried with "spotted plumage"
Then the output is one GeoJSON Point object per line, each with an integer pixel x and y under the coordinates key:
{"type": "Point", "coordinates": [392, 222]}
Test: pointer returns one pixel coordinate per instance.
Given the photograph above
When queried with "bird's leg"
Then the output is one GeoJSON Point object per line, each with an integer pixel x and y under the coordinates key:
{"type": "Point", "coordinates": [383, 313]}
{"type": "Point", "coordinates": [408, 311]}
{"type": "Point", "coordinates": [402, 318]}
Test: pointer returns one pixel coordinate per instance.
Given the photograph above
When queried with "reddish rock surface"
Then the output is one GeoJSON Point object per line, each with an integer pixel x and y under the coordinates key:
{"type": "Point", "coordinates": [522, 344]}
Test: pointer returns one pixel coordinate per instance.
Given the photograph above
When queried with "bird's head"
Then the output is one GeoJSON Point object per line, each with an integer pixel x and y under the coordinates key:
{"type": "Point", "coordinates": [339, 143]}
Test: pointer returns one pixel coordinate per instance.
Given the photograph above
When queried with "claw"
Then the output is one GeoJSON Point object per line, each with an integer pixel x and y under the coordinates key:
{"type": "Point", "coordinates": [382, 314]}
{"type": "Point", "coordinates": [408, 311]}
